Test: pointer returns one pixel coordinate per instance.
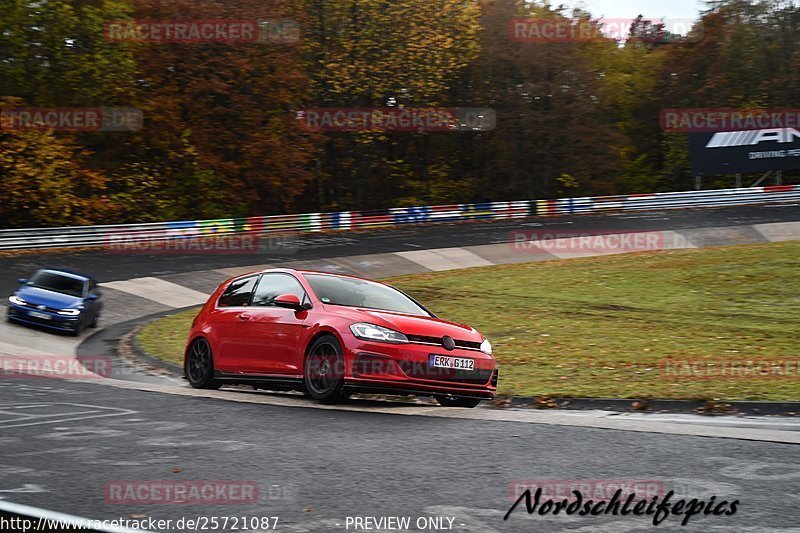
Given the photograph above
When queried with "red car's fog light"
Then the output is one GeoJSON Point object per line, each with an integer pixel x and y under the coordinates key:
{"type": "Point", "coordinates": [367, 364]}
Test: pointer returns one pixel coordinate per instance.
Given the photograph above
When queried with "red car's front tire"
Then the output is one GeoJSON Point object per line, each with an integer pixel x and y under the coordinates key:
{"type": "Point", "coordinates": [323, 375]}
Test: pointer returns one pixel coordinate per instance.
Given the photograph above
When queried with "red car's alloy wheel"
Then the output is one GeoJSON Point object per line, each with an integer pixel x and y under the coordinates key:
{"type": "Point", "coordinates": [200, 366]}
{"type": "Point", "coordinates": [324, 370]}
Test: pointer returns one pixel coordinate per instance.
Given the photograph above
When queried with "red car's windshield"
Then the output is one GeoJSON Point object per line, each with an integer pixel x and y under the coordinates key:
{"type": "Point", "coordinates": [336, 290]}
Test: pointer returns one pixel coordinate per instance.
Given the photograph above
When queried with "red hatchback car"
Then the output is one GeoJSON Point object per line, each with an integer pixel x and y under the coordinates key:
{"type": "Point", "coordinates": [330, 335]}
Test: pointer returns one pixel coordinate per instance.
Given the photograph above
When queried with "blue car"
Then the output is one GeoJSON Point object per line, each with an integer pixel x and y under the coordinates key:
{"type": "Point", "coordinates": [56, 299]}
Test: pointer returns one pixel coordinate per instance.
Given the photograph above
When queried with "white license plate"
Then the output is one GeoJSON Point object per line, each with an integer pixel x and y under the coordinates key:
{"type": "Point", "coordinates": [37, 314]}
{"type": "Point", "coordinates": [459, 363]}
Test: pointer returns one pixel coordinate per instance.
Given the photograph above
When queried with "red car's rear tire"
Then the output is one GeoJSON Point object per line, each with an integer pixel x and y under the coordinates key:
{"type": "Point", "coordinates": [323, 372]}
{"type": "Point", "coordinates": [199, 366]}
{"type": "Point", "coordinates": [445, 401]}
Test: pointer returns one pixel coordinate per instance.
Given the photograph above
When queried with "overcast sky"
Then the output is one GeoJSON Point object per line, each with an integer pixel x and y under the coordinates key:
{"type": "Point", "coordinates": [654, 9]}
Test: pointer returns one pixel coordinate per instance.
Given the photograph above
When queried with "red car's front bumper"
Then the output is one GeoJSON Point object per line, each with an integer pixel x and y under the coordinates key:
{"type": "Point", "coordinates": [406, 369]}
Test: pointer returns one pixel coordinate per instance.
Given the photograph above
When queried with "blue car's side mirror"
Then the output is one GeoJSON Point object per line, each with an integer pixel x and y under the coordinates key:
{"type": "Point", "coordinates": [93, 297]}
{"type": "Point", "coordinates": [22, 281]}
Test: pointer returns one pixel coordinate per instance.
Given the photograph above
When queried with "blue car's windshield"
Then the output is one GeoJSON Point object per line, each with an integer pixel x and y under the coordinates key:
{"type": "Point", "coordinates": [56, 283]}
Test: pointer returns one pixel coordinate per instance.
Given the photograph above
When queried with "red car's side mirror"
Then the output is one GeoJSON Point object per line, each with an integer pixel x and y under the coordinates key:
{"type": "Point", "coordinates": [289, 301]}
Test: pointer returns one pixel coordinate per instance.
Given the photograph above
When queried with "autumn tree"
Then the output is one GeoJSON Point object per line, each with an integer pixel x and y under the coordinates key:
{"type": "Point", "coordinates": [219, 116]}
{"type": "Point", "coordinates": [741, 55]}
{"type": "Point", "coordinates": [551, 112]}
{"type": "Point", "coordinates": [44, 180]}
{"type": "Point", "coordinates": [377, 53]}
{"type": "Point", "coordinates": [55, 53]}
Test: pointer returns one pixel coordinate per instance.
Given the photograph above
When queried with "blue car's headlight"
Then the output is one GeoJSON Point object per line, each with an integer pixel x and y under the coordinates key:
{"type": "Point", "coordinates": [16, 300]}
{"type": "Point", "coordinates": [69, 312]}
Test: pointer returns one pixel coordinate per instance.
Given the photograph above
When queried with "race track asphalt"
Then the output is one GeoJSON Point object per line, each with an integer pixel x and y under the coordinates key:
{"type": "Point", "coordinates": [65, 442]}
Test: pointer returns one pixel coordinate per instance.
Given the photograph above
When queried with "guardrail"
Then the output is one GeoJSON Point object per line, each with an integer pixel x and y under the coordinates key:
{"type": "Point", "coordinates": [109, 235]}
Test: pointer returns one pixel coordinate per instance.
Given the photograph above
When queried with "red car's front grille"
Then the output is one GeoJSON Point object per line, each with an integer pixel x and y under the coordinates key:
{"type": "Point", "coordinates": [466, 345]}
{"type": "Point", "coordinates": [423, 371]}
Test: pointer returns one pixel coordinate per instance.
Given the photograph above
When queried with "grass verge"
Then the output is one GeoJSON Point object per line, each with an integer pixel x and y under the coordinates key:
{"type": "Point", "coordinates": [165, 338]}
{"type": "Point", "coordinates": [605, 326]}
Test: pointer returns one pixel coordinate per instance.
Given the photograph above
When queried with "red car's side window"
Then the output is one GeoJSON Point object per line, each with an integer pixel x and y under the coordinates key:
{"type": "Point", "coordinates": [270, 286]}
{"type": "Point", "coordinates": [238, 293]}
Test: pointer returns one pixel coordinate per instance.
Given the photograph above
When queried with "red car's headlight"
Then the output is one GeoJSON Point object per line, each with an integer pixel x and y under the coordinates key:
{"type": "Point", "coordinates": [486, 347]}
{"type": "Point", "coordinates": [371, 332]}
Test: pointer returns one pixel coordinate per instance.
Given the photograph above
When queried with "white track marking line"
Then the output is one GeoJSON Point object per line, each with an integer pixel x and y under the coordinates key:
{"type": "Point", "coordinates": [160, 291]}
{"type": "Point", "coordinates": [27, 419]}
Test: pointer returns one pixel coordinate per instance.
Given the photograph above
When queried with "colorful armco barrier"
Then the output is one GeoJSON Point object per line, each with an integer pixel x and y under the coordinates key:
{"type": "Point", "coordinates": [77, 236]}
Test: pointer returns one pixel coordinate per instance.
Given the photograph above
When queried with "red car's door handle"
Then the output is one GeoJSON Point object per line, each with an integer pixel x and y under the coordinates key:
{"type": "Point", "coordinates": [244, 316]}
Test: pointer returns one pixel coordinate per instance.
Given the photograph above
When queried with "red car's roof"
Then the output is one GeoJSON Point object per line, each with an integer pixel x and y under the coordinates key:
{"type": "Point", "coordinates": [304, 271]}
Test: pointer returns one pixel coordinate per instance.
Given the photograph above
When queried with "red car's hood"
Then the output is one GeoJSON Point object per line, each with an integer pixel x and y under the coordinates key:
{"type": "Point", "coordinates": [411, 324]}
